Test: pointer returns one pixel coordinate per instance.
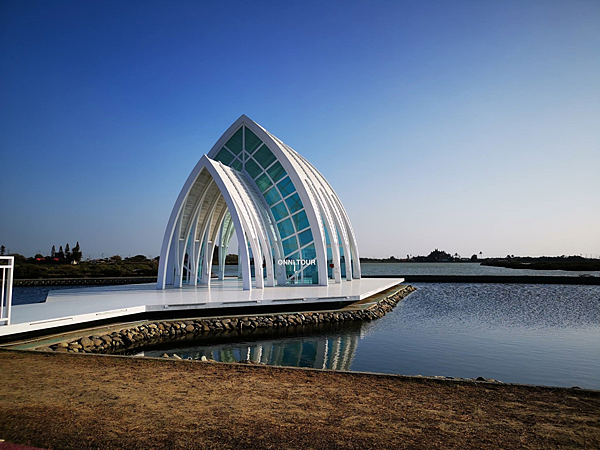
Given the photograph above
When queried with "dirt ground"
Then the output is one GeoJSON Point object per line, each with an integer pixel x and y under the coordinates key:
{"type": "Point", "coordinates": [70, 401]}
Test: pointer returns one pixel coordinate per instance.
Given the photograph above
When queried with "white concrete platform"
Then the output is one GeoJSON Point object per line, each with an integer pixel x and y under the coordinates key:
{"type": "Point", "coordinates": [75, 306]}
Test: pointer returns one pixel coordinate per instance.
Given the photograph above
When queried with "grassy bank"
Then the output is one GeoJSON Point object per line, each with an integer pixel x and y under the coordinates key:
{"type": "Point", "coordinates": [25, 270]}
{"type": "Point", "coordinates": [69, 401]}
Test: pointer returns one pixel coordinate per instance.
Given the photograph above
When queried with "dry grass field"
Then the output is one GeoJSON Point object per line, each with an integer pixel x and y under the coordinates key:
{"type": "Point", "coordinates": [70, 401]}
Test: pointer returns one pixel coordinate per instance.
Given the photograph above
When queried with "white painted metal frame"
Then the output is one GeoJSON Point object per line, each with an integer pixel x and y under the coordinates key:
{"type": "Point", "coordinates": [8, 269]}
{"type": "Point", "coordinates": [198, 222]}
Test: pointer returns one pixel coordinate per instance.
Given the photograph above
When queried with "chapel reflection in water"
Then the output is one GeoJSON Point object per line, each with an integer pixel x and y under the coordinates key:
{"type": "Point", "coordinates": [319, 352]}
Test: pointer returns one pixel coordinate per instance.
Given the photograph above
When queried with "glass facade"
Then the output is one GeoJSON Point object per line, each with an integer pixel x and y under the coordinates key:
{"type": "Point", "coordinates": [244, 151]}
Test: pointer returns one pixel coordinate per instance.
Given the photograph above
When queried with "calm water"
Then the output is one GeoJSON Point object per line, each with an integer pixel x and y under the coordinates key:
{"type": "Point", "coordinates": [538, 334]}
{"type": "Point", "coordinates": [35, 294]}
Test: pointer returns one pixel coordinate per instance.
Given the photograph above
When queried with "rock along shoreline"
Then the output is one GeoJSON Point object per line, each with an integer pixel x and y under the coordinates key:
{"type": "Point", "coordinates": [141, 335]}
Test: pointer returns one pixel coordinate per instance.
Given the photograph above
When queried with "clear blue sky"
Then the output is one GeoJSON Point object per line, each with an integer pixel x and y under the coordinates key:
{"type": "Point", "coordinates": [463, 125]}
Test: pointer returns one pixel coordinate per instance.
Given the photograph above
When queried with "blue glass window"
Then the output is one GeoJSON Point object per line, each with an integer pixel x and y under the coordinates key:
{"type": "Point", "coordinates": [279, 211]}
{"type": "Point", "coordinates": [224, 156]}
{"type": "Point", "coordinates": [309, 252]}
{"type": "Point", "coordinates": [291, 269]}
{"type": "Point", "coordinates": [237, 165]}
{"type": "Point", "coordinates": [264, 156]}
{"type": "Point", "coordinates": [311, 274]}
{"type": "Point", "coordinates": [252, 141]}
{"type": "Point", "coordinates": [272, 196]}
{"type": "Point", "coordinates": [252, 168]}
{"type": "Point", "coordinates": [305, 237]}
{"type": "Point", "coordinates": [286, 187]}
{"type": "Point", "coordinates": [235, 143]}
{"type": "Point", "coordinates": [290, 245]}
{"type": "Point", "coordinates": [294, 203]}
{"type": "Point", "coordinates": [286, 228]}
{"type": "Point", "coordinates": [276, 172]}
{"type": "Point", "coordinates": [300, 221]}
{"type": "Point", "coordinates": [263, 182]}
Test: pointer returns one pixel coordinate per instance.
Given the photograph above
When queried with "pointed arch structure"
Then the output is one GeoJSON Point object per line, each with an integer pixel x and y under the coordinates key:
{"type": "Point", "coordinates": [290, 225]}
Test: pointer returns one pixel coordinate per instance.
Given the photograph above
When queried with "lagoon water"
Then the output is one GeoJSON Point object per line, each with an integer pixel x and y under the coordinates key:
{"type": "Point", "coordinates": [534, 334]}
{"type": "Point", "coordinates": [519, 333]}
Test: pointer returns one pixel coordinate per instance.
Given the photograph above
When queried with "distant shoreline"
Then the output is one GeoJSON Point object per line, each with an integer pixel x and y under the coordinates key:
{"type": "Point", "coordinates": [397, 261]}
{"type": "Point", "coordinates": [500, 279]}
{"type": "Point", "coordinates": [567, 264]}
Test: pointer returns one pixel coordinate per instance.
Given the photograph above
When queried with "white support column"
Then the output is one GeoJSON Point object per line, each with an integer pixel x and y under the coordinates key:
{"type": "Point", "coordinates": [178, 282]}
{"type": "Point", "coordinates": [169, 269]}
{"type": "Point", "coordinates": [356, 272]}
{"type": "Point", "coordinates": [228, 233]}
{"type": "Point", "coordinates": [208, 246]}
{"type": "Point", "coordinates": [259, 278]}
{"type": "Point", "coordinates": [330, 230]}
{"type": "Point", "coordinates": [244, 261]}
{"type": "Point", "coordinates": [240, 258]}
{"type": "Point", "coordinates": [344, 241]}
{"type": "Point", "coordinates": [258, 269]}
{"type": "Point", "coordinates": [221, 251]}
{"type": "Point", "coordinates": [335, 252]}
{"type": "Point", "coordinates": [194, 260]}
{"type": "Point", "coordinates": [202, 253]}
{"type": "Point", "coordinates": [189, 249]}
{"type": "Point", "coordinates": [207, 263]}
{"type": "Point", "coordinates": [263, 244]}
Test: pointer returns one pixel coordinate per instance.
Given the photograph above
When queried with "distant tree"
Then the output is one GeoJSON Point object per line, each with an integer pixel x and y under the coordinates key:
{"type": "Point", "coordinates": [438, 255]}
{"type": "Point", "coordinates": [61, 253]}
{"type": "Point", "coordinates": [474, 258]}
{"type": "Point", "coordinates": [2, 250]}
{"type": "Point", "coordinates": [77, 253]}
{"type": "Point", "coordinates": [116, 258]}
{"type": "Point", "coordinates": [67, 251]}
{"type": "Point", "coordinates": [53, 252]}
{"type": "Point", "coordinates": [231, 259]}
{"type": "Point", "coordinates": [19, 258]}
{"type": "Point", "coordinates": [137, 258]}
{"type": "Point", "coordinates": [39, 255]}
